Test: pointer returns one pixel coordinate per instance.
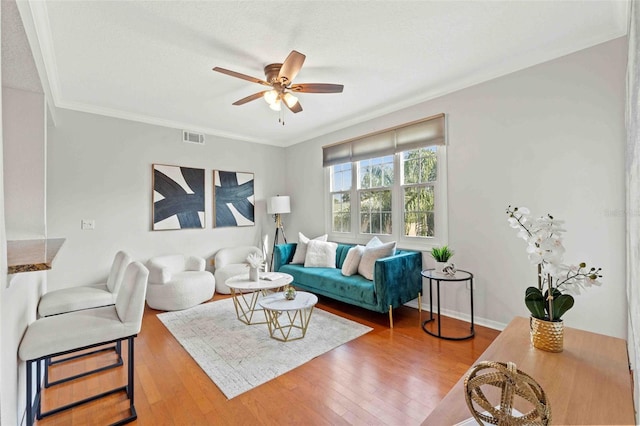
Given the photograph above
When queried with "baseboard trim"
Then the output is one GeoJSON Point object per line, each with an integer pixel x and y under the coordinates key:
{"type": "Point", "coordinates": [461, 316]}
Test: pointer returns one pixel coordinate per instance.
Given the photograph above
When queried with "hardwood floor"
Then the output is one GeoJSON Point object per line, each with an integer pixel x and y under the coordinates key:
{"type": "Point", "coordinates": [388, 376]}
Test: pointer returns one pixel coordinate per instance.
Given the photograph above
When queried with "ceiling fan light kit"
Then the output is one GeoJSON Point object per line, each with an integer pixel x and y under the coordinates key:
{"type": "Point", "coordinates": [289, 99]}
{"type": "Point", "coordinates": [280, 78]}
{"type": "Point", "coordinates": [270, 96]}
{"type": "Point", "coordinates": [276, 105]}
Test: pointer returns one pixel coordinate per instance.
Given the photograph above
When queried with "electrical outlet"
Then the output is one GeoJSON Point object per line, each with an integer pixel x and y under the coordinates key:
{"type": "Point", "coordinates": [88, 224]}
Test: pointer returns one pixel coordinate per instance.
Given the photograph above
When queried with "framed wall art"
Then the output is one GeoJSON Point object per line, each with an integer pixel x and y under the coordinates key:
{"type": "Point", "coordinates": [178, 197]}
{"type": "Point", "coordinates": [233, 198]}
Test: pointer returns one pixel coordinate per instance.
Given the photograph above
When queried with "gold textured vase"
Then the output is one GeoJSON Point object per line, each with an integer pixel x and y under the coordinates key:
{"type": "Point", "coordinates": [547, 335]}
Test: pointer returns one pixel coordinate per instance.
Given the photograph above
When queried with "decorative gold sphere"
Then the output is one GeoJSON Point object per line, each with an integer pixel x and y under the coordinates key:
{"type": "Point", "coordinates": [511, 382]}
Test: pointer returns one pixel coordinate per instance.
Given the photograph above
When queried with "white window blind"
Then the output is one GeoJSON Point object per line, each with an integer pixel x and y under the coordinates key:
{"type": "Point", "coordinates": [418, 134]}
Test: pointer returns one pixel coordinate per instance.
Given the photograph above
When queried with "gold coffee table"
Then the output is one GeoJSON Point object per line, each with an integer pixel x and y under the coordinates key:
{"type": "Point", "coordinates": [246, 293]}
{"type": "Point", "coordinates": [285, 316]}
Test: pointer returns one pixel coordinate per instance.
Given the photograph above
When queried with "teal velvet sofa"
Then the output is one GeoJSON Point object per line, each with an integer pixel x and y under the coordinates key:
{"type": "Point", "coordinates": [397, 279]}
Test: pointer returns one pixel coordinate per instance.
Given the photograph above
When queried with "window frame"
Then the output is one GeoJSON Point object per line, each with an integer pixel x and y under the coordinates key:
{"type": "Point", "coordinates": [441, 222]}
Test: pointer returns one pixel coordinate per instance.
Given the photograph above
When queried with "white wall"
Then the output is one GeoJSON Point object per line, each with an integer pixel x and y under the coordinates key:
{"type": "Point", "coordinates": [100, 168]}
{"type": "Point", "coordinates": [25, 159]}
{"type": "Point", "coordinates": [3, 258]}
{"type": "Point", "coordinates": [550, 137]}
{"type": "Point", "coordinates": [24, 194]}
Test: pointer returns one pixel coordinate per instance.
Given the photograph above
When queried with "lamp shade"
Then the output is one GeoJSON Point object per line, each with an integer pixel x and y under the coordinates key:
{"type": "Point", "coordinates": [278, 204]}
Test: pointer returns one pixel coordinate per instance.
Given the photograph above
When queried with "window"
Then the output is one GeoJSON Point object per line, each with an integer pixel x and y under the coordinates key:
{"type": "Point", "coordinates": [399, 195]}
{"type": "Point", "coordinates": [341, 198]}
{"type": "Point", "coordinates": [419, 178]}
{"type": "Point", "coordinates": [374, 189]}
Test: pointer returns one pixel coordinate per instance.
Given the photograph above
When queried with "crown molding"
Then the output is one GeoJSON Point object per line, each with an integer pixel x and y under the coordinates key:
{"type": "Point", "coordinates": [31, 14]}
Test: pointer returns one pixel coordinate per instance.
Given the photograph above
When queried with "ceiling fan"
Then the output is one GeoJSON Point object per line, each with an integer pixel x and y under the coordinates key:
{"type": "Point", "coordinates": [279, 77]}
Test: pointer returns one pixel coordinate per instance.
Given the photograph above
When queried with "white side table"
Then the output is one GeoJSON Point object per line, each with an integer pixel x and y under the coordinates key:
{"type": "Point", "coordinates": [246, 293]}
{"type": "Point", "coordinates": [284, 316]}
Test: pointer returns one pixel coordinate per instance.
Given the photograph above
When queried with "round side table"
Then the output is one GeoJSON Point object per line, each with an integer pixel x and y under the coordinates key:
{"type": "Point", "coordinates": [246, 293]}
{"type": "Point", "coordinates": [459, 276]}
{"type": "Point", "coordinates": [284, 316]}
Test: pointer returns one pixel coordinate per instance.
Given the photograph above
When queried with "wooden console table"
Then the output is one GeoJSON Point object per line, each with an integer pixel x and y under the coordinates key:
{"type": "Point", "coordinates": [588, 383]}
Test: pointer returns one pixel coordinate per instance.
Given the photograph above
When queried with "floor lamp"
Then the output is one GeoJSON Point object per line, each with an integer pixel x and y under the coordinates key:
{"type": "Point", "coordinates": [277, 206]}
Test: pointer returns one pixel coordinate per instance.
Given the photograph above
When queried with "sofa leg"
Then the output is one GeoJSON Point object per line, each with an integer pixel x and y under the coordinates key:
{"type": "Point", "coordinates": [390, 316]}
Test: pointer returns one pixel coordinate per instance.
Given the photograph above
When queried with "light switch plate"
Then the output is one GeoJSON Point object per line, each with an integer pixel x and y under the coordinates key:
{"type": "Point", "coordinates": [88, 224]}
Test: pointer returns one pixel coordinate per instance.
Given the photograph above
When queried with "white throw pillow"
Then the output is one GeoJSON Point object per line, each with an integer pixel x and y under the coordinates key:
{"type": "Point", "coordinates": [351, 262]}
{"type": "Point", "coordinates": [320, 254]}
{"type": "Point", "coordinates": [373, 242]}
{"type": "Point", "coordinates": [371, 254]}
{"type": "Point", "coordinates": [301, 249]}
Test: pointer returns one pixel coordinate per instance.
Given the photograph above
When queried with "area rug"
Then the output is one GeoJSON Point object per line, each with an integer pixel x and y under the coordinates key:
{"type": "Point", "coordinates": [239, 357]}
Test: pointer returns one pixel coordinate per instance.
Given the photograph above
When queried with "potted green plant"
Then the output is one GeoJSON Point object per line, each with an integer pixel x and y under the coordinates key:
{"type": "Point", "coordinates": [550, 300]}
{"type": "Point", "coordinates": [441, 255]}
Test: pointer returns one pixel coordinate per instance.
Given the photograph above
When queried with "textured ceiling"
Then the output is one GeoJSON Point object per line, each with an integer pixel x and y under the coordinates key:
{"type": "Point", "coordinates": [151, 60]}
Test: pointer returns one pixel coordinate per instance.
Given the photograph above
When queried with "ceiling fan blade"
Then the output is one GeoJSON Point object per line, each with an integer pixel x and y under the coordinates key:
{"type": "Point", "coordinates": [317, 88]}
{"type": "Point", "coordinates": [250, 98]}
{"type": "Point", "coordinates": [242, 76]}
{"type": "Point", "coordinates": [296, 108]}
{"type": "Point", "coordinates": [290, 67]}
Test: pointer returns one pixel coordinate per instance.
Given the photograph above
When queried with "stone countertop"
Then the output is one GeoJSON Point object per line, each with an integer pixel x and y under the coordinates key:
{"type": "Point", "coordinates": [32, 255]}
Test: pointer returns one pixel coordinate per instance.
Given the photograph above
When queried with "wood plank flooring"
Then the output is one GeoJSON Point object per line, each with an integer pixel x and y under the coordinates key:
{"type": "Point", "coordinates": [386, 377]}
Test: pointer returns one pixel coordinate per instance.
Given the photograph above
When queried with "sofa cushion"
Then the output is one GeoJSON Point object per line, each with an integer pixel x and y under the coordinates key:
{"type": "Point", "coordinates": [373, 242]}
{"type": "Point", "coordinates": [331, 283]}
{"type": "Point", "coordinates": [301, 249]}
{"type": "Point", "coordinates": [320, 254]}
{"type": "Point", "coordinates": [341, 254]}
{"type": "Point", "coordinates": [352, 261]}
{"type": "Point", "coordinates": [371, 254]}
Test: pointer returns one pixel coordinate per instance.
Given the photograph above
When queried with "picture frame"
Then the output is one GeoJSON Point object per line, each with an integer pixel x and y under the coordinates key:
{"type": "Point", "coordinates": [178, 197]}
{"type": "Point", "coordinates": [233, 199]}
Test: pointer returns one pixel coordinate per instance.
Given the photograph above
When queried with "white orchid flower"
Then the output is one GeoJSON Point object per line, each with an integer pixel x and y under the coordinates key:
{"type": "Point", "coordinates": [553, 244]}
{"type": "Point", "coordinates": [513, 222]}
{"type": "Point", "coordinates": [545, 248]}
{"type": "Point", "coordinates": [523, 234]}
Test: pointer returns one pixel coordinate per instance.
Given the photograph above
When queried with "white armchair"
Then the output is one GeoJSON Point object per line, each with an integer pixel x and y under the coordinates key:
{"type": "Point", "coordinates": [89, 296]}
{"type": "Point", "coordinates": [178, 282]}
{"type": "Point", "coordinates": [231, 262]}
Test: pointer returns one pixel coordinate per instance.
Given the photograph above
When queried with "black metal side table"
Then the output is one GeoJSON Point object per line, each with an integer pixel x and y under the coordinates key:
{"type": "Point", "coordinates": [460, 275]}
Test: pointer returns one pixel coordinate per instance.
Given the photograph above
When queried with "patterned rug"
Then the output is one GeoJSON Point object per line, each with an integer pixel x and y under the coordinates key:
{"type": "Point", "coordinates": [239, 357]}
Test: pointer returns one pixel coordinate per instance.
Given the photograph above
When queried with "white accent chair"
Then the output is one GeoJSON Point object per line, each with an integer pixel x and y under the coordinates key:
{"type": "Point", "coordinates": [230, 262]}
{"type": "Point", "coordinates": [178, 282]}
{"type": "Point", "coordinates": [86, 297]}
{"type": "Point", "coordinates": [86, 329]}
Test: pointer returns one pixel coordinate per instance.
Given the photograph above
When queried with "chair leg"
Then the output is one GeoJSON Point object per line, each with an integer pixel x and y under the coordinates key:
{"type": "Point", "coordinates": [38, 389]}
{"type": "Point", "coordinates": [29, 393]}
{"type": "Point", "coordinates": [117, 348]}
{"type": "Point", "coordinates": [130, 371]}
{"type": "Point", "coordinates": [34, 407]}
{"type": "Point", "coordinates": [390, 316]}
{"type": "Point", "coordinates": [47, 364]}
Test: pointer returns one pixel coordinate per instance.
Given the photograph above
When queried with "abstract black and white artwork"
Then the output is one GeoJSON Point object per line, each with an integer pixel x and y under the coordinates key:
{"type": "Point", "coordinates": [178, 197]}
{"type": "Point", "coordinates": [234, 199]}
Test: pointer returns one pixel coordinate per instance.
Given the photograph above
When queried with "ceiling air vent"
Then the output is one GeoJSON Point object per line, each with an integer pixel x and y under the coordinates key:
{"type": "Point", "coordinates": [192, 137]}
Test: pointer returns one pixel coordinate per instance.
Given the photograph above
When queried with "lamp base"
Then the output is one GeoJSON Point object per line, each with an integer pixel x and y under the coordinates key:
{"type": "Point", "coordinates": [279, 230]}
